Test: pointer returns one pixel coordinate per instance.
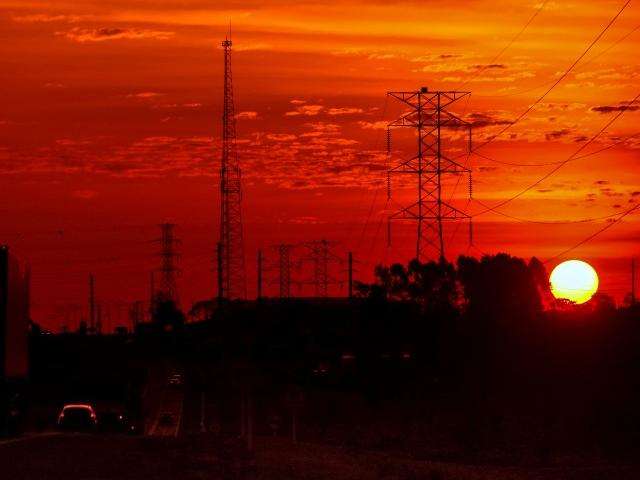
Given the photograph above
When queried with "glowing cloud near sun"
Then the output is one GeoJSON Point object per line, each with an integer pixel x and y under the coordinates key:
{"type": "Point", "coordinates": [574, 280]}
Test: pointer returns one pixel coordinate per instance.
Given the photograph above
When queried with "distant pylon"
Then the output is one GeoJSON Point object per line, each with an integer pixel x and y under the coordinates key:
{"type": "Point", "coordinates": [321, 255]}
{"type": "Point", "coordinates": [284, 269]}
{"type": "Point", "coordinates": [167, 289]}
{"type": "Point", "coordinates": [428, 114]}
{"type": "Point", "coordinates": [282, 264]}
{"type": "Point", "coordinates": [231, 236]}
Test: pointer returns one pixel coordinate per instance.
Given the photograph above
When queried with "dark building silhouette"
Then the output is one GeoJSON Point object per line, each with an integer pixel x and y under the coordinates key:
{"type": "Point", "coordinates": [14, 317]}
{"type": "Point", "coordinates": [14, 331]}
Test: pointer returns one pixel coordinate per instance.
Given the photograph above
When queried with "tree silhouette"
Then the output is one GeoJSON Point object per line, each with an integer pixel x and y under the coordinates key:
{"type": "Point", "coordinates": [501, 288]}
{"type": "Point", "coordinates": [432, 285]}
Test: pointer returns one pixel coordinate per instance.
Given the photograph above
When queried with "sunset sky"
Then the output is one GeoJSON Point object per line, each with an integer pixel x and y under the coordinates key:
{"type": "Point", "coordinates": [111, 118]}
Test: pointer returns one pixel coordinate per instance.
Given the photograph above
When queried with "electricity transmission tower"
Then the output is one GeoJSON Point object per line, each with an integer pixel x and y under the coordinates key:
{"type": "Point", "coordinates": [321, 255]}
{"type": "Point", "coordinates": [283, 264]}
{"type": "Point", "coordinates": [284, 269]}
{"type": "Point", "coordinates": [428, 114]}
{"type": "Point", "coordinates": [232, 274]}
{"type": "Point", "coordinates": [167, 289]}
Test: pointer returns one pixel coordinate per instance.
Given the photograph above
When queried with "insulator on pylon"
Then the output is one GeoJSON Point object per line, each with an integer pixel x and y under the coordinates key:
{"type": "Point", "coordinates": [388, 186]}
{"type": "Point", "coordinates": [470, 186]}
{"type": "Point", "coordinates": [388, 141]}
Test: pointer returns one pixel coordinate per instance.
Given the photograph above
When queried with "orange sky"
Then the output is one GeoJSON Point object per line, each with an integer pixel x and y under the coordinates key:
{"type": "Point", "coordinates": [110, 124]}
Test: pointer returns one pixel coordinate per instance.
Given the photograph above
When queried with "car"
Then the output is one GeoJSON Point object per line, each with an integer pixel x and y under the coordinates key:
{"type": "Point", "coordinates": [175, 380]}
{"type": "Point", "coordinates": [321, 369]}
{"type": "Point", "coordinates": [77, 417]}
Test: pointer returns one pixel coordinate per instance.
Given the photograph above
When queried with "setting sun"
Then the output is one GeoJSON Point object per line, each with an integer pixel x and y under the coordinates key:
{"type": "Point", "coordinates": [574, 280]}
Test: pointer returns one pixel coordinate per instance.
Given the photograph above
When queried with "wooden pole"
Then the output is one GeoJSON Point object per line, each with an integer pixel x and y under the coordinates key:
{"type": "Point", "coordinates": [259, 295]}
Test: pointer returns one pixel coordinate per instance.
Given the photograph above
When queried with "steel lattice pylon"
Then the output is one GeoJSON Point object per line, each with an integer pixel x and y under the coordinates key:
{"type": "Point", "coordinates": [167, 288]}
{"type": "Point", "coordinates": [232, 262]}
{"type": "Point", "coordinates": [284, 270]}
{"type": "Point", "coordinates": [283, 263]}
{"type": "Point", "coordinates": [428, 114]}
{"type": "Point", "coordinates": [321, 255]}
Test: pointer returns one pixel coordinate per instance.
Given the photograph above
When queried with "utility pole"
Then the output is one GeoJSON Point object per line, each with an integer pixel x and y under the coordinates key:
{"type": "Point", "coordinates": [231, 235]}
{"type": "Point", "coordinates": [220, 263]}
{"type": "Point", "coordinates": [633, 281]}
{"type": "Point", "coordinates": [99, 318]}
{"type": "Point", "coordinates": [92, 304]}
{"type": "Point", "coordinates": [259, 286]}
{"type": "Point", "coordinates": [27, 283]}
{"type": "Point", "coordinates": [350, 267]}
{"type": "Point", "coordinates": [168, 290]}
{"type": "Point", "coordinates": [152, 295]}
{"type": "Point", "coordinates": [428, 114]}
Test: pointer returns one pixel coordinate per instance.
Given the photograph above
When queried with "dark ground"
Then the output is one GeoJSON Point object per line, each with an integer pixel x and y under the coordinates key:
{"type": "Point", "coordinates": [78, 456]}
{"type": "Point", "coordinates": [84, 456]}
{"type": "Point", "coordinates": [375, 393]}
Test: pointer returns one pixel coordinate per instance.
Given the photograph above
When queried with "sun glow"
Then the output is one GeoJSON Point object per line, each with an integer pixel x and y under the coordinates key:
{"type": "Point", "coordinates": [574, 280]}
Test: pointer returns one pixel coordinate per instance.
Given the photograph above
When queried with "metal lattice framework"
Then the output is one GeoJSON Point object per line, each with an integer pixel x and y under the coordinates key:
{"type": "Point", "coordinates": [284, 269]}
{"type": "Point", "coordinates": [428, 114]}
{"type": "Point", "coordinates": [282, 264]}
{"type": "Point", "coordinates": [321, 255]}
{"type": "Point", "coordinates": [231, 238]}
{"type": "Point", "coordinates": [167, 287]}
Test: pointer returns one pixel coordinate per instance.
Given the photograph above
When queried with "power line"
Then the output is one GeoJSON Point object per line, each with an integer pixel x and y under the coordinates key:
{"type": "Point", "coordinates": [549, 82]}
{"type": "Point", "coordinates": [548, 222]}
{"type": "Point", "coordinates": [378, 186]}
{"type": "Point", "coordinates": [558, 80]}
{"type": "Point", "coordinates": [595, 234]}
{"type": "Point", "coordinates": [376, 235]}
{"type": "Point", "coordinates": [507, 46]}
{"type": "Point", "coordinates": [623, 109]}
{"type": "Point", "coordinates": [548, 164]}
{"type": "Point", "coordinates": [366, 223]}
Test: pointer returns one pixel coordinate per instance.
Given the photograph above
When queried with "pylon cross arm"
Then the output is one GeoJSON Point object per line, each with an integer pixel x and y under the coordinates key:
{"type": "Point", "coordinates": [449, 212]}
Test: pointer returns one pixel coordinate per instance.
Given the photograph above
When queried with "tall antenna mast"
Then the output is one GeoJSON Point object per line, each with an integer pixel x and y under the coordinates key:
{"type": "Point", "coordinates": [231, 238]}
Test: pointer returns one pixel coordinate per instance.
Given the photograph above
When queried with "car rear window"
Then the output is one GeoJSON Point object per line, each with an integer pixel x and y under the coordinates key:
{"type": "Point", "coordinates": [77, 412]}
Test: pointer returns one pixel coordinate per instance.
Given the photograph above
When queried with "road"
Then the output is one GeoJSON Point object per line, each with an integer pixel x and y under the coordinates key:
{"type": "Point", "coordinates": [108, 457]}
{"type": "Point", "coordinates": [164, 403]}
{"type": "Point", "coordinates": [111, 457]}
{"type": "Point", "coordinates": [201, 408]}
